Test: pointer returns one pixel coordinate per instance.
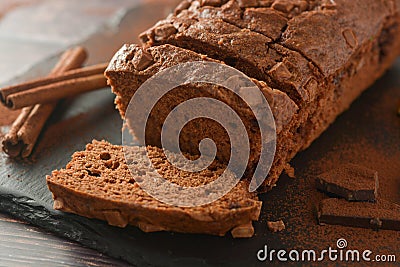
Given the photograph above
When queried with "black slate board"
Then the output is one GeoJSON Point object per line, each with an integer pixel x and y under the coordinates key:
{"type": "Point", "coordinates": [23, 192]}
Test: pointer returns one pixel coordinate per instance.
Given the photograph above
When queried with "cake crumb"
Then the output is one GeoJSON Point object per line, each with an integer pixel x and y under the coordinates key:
{"type": "Point", "coordinates": [277, 226]}
{"type": "Point", "coordinates": [289, 170]}
{"type": "Point", "coordinates": [243, 231]}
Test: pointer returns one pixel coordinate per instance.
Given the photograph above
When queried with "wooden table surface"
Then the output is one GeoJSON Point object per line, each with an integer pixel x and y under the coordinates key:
{"type": "Point", "coordinates": [24, 245]}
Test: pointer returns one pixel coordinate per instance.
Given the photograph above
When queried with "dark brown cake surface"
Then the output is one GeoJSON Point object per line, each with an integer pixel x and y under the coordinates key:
{"type": "Point", "coordinates": [125, 79]}
{"type": "Point", "coordinates": [161, 57]}
{"type": "Point", "coordinates": [324, 34]}
{"type": "Point", "coordinates": [322, 54]}
{"type": "Point", "coordinates": [250, 52]}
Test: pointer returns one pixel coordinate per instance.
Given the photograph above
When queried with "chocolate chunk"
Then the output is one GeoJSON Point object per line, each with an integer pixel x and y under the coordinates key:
{"type": "Point", "coordinates": [247, 3]}
{"type": "Point", "coordinates": [182, 6]}
{"type": "Point", "coordinates": [380, 215]}
{"type": "Point", "coordinates": [290, 8]}
{"type": "Point", "coordinates": [142, 60]}
{"type": "Point", "coordinates": [265, 3]}
{"type": "Point", "coordinates": [350, 37]}
{"type": "Point", "coordinates": [211, 2]}
{"type": "Point", "coordinates": [265, 21]}
{"type": "Point", "coordinates": [280, 71]}
{"type": "Point", "coordinates": [350, 181]}
{"type": "Point", "coordinates": [164, 31]}
{"type": "Point", "coordinates": [311, 88]}
{"type": "Point", "coordinates": [283, 6]}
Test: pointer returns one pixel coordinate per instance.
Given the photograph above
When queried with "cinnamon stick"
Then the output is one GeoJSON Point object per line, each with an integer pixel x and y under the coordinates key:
{"type": "Point", "coordinates": [24, 132]}
{"type": "Point", "coordinates": [52, 79]}
{"type": "Point", "coordinates": [56, 91]}
{"type": "Point", "coordinates": [11, 145]}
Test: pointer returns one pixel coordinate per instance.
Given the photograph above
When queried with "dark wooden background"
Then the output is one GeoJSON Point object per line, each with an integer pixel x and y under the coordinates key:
{"type": "Point", "coordinates": [22, 245]}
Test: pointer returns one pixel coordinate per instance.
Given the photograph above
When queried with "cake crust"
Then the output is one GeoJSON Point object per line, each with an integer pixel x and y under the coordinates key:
{"type": "Point", "coordinates": [322, 54]}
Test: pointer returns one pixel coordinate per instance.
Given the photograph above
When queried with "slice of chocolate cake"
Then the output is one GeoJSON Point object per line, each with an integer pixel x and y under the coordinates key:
{"type": "Point", "coordinates": [97, 183]}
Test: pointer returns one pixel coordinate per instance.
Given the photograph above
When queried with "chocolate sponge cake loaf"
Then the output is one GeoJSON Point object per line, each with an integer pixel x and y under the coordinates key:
{"type": "Point", "coordinates": [97, 183]}
{"type": "Point", "coordinates": [317, 55]}
{"type": "Point", "coordinates": [125, 78]}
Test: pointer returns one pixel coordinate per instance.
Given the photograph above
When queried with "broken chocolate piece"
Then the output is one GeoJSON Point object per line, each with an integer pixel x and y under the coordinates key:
{"type": "Point", "coordinates": [265, 3]}
{"type": "Point", "coordinates": [164, 31]}
{"type": "Point", "coordinates": [280, 71]}
{"type": "Point", "coordinates": [380, 215]}
{"type": "Point", "coordinates": [283, 6]}
{"type": "Point", "coordinates": [350, 181]}
{"type": "Point", "coordinates": [142, 60]}
{"type": "Point", "coordinates": [350, 37]}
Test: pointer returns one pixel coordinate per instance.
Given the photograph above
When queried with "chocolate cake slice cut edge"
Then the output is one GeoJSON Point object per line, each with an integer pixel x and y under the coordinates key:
{"type": "Point", "coordinates": [125, 78]}
{"type": "Point", "coordinates": [97, 183]}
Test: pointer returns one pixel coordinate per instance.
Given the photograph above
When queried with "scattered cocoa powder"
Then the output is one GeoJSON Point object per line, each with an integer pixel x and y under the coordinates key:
{"type": "Point", "coordinates": [308, 234]}
{"type": "Point", "coordinates": [379, 215]}
{"type": "Point", "coordinates": [355, 177]}
{"type": "Point", "coordinates": [367, 135]}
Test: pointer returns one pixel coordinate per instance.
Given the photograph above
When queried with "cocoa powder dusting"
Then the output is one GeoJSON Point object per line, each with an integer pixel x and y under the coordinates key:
{"type": "Point", "coordinates": [365, 154]}
{"type": "Point", "coordinates": [368, 135]}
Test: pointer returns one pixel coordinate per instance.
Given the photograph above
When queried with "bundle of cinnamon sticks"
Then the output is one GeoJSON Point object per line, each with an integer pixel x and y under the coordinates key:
{"type": "Point", "coordinates": [38, 98]}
